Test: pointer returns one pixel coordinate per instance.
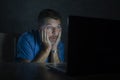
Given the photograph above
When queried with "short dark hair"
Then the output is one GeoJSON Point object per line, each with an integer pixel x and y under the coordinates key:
{"type": "Point", "coordinates": [48, 13]}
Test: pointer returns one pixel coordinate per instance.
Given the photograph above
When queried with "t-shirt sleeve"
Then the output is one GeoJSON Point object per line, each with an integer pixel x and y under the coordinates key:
{"type": "Point", "coordinates": [24, 47]}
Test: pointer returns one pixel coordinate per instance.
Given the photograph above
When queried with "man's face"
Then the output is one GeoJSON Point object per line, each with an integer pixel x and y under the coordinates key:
{"type": "Point", "coordinates": [53, 28]}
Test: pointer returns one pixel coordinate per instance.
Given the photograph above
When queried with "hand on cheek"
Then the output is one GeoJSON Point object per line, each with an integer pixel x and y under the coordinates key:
{"type": "Point", "coordinates": [55, 45]}
{"type": "Point", "coordinates": [45, 39]}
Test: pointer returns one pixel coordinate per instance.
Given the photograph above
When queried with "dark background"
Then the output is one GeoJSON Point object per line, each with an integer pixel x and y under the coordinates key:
{"type": "Point", "coordinates": [17, 16]}
{"type": "Point", "coordinates": [21, 15]}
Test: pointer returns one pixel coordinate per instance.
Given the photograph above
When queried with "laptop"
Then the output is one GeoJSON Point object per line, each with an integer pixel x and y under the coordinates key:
{"type": "Point", "coordinates": [92, 47]}
{"type": "Point", "coordinates": [61, 67]}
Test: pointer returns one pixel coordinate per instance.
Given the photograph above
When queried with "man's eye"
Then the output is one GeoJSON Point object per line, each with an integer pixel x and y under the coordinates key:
{"type": "Point", "coordinates": [48, 27]}
{"type": "Point", "coordinates": [59, 27]}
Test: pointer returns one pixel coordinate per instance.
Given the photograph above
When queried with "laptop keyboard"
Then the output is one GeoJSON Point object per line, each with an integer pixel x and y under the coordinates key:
{"type": "Point", "coordinates": [61, 67]}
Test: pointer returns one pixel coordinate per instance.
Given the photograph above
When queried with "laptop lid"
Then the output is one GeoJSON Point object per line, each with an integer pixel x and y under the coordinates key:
{"type": "Point", "coordinates": [93, 46]}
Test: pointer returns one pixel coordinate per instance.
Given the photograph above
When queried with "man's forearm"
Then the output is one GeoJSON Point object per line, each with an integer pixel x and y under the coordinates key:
{"type": "Point", "coordinates": [42, 56]}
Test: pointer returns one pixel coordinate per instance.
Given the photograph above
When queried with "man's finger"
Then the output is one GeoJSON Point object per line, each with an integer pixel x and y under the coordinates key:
{"type": "Point", "coordinates": [42, 34]}
{"type": "Point", "coordinates": [59, 36]}
{"type": "Point", "coordinates": [45, 35]}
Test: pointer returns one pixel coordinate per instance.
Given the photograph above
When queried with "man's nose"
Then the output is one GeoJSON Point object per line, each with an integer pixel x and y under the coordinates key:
{"type": "Point", "coordinates": [54, 31]}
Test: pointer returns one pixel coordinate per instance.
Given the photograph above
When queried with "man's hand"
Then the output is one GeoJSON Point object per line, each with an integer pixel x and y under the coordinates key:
{"type": "Point", "coordinates": [54, 46]}
{"type": "Point", "coordinates": [43, 55]}
{"type": "Point", "coordinates": [45, 39]}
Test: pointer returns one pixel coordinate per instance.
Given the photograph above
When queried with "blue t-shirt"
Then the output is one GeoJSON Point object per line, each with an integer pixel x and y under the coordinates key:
{"type": "Point", "coordinates": [29, 45]}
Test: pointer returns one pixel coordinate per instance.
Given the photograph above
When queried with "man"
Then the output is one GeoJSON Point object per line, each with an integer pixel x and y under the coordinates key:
{"type": "Point", "coordinates": [42, 45]}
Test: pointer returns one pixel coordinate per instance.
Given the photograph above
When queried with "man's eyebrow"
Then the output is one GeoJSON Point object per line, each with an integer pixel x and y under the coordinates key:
{"type": "Point", "coordinates": [59, 25]}
{"type": "Point", "coordinates": [48, 24]}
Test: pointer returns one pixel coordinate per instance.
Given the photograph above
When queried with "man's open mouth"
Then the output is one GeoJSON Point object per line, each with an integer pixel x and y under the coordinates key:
{"type": "Point", "coordinates": [53, 38]}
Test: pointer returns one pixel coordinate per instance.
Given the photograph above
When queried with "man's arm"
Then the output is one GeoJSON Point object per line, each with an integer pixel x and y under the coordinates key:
{"type": "Point", "coordinates": [55, 57]}
{"type": "Point", "coordinates": [42, 56]}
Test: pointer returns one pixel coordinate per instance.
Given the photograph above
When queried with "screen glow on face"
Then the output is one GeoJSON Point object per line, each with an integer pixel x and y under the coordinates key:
{"type": "Point", "coordinates": [53, 28]}
{"type": "Point", "coordinates": [53, 33]}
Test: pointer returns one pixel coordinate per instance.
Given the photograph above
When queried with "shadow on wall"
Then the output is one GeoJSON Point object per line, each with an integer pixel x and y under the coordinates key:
{"type": "Point", "coordinates": [8, 47]}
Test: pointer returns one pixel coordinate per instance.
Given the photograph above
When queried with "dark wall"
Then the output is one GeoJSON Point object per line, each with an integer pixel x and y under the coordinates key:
{"type": "Point", "coordinates": [21, 15]}
{"type": "Point", "coordinates": [17, 16]}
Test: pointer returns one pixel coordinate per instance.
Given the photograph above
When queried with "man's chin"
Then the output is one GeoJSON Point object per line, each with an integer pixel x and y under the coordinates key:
{"type": "Point", "coordinates": [52, 42]}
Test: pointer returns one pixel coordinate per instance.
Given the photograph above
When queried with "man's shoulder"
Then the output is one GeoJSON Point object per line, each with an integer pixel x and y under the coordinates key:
{"type": "Point", "coordinates": [28, 35]}
{"type": "Point", "coordinates": [27, 38]}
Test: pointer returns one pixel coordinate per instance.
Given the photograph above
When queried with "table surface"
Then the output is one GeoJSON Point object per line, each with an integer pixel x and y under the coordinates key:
{"type": "Point", "coordinates": [28, 71]}
{"type": "Point", "coordinates": [36, 71]}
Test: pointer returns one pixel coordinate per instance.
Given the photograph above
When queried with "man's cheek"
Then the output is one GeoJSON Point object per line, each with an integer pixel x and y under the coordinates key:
{"type": "Point", "coordinates": [57, 33]}
{"type": "Point", "coordinates": [49, 34]}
